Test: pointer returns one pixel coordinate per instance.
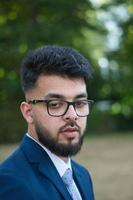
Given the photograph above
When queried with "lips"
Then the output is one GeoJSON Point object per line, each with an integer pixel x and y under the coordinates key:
{"type": "Point", "coordinates": [70, 132]}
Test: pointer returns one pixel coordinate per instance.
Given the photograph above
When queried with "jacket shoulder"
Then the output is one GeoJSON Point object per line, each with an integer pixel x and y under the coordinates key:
{"type": "Point", "coordinates": [12, 187]}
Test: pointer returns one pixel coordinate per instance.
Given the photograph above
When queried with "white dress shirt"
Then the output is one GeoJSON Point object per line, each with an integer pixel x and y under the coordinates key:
{"type": "Point", "coordinates": [60, 164]}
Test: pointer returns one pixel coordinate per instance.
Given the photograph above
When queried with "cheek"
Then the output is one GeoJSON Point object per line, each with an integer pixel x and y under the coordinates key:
{"type": "Point", "coordinates": [51, 123]}
{"type": "Point", "coordinates": [83, 123]}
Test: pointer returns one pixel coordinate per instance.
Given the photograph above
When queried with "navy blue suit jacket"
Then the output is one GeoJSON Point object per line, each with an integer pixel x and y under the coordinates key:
{"type": "Point", "coordinates": [29, 174]}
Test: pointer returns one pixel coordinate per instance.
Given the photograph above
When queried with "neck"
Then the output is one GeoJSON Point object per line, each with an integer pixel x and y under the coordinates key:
{"type": "Point", "coordinates": [65, 159]}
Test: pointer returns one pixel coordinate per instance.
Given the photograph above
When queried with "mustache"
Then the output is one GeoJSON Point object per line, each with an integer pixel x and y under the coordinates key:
{"type": "Point", "coordinates": [71, 124]}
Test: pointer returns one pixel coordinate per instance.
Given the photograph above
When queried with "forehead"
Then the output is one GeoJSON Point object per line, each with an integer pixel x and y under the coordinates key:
{"type": "Point", "coordinates": [53, 84]}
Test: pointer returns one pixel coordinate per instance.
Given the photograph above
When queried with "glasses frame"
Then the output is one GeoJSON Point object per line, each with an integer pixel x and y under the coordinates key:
{"type": "Point", "coordinates": [36, 101]}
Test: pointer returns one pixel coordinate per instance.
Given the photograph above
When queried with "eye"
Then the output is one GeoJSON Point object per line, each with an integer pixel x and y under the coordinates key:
{"type": "Point", "coordinates": [81, 103]}
{"type": "Point", "coordinates": [56, 104]}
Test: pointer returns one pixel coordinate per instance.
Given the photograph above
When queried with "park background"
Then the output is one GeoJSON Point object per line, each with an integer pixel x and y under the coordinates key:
{"type": "Point", "coordinates": [102, 30]}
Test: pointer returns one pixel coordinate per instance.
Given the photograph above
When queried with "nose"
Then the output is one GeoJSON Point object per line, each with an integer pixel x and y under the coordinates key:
{"type": "Point", "coordinates": [70, 114]}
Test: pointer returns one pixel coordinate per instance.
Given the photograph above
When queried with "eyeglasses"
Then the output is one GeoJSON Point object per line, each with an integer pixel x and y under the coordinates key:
{"type": "Point", "coordinates": [59, 107]}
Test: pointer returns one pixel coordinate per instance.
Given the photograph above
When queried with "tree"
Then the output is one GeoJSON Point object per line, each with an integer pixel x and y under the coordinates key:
{"type": "Point", "coordinates": [25, 25]}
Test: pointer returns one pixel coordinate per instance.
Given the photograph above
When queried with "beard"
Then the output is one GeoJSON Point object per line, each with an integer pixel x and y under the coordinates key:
{"type": "Point", "coordinates": [51, 143]}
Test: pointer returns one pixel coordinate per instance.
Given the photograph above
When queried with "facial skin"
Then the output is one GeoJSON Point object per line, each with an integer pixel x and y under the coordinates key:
{"type": "Point", "coordinates": [62, 135]}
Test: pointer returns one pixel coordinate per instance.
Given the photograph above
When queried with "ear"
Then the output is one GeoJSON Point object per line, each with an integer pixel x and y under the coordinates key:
{"type": "Point", "coordinates": [26, 111]}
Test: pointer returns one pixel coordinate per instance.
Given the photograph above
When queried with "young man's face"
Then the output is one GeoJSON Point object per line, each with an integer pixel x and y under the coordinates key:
{"type": "Point", "coordinates": [63, 135]}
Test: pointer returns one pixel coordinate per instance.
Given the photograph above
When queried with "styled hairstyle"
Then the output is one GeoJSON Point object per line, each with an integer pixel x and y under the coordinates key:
{"type": "Point", "coordinates": [53, 60]}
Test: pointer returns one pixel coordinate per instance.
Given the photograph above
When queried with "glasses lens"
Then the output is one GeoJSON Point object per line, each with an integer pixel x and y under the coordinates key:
{"type": "Point", "coordinates": [57, 107]}
{"type": "Point", "coordinates": [82, 108]}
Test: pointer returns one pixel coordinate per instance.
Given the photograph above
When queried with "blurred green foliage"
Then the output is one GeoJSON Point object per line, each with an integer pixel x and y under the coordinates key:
{"type": "Point", "coordinates": [25, 25]}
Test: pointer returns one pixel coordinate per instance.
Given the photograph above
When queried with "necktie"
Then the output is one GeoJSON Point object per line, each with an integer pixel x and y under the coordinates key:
{"type": "Point", "coordinates": [69, 182]}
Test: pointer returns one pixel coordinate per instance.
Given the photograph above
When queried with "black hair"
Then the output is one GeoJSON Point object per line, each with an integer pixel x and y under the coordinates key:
{"type": "Point", "coordinates": [53, 60]}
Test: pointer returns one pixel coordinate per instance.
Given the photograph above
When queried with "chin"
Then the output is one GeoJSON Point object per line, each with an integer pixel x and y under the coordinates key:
{"type": "Point", "coordinates": [70, 141]}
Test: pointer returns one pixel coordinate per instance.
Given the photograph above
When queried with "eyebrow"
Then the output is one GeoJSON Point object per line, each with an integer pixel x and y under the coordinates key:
{"type": "Point", "coordinates": [59, 96]}
{"type": "Point", "coordinates": [82, 95]}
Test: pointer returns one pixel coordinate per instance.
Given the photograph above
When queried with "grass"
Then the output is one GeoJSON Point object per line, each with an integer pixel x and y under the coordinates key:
{"type": "Point", "coordinates": [110, 162]}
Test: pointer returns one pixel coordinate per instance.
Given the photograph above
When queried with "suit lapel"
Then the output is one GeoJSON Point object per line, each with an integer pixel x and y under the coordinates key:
{"type": "Point", "coordinates": [36, 154]}
{"type": "Point", "coordinates": [80, 182]}
{"type": "Point", "coordinates": [49, 170]}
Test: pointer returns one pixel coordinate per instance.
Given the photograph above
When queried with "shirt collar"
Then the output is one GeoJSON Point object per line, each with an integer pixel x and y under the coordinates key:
{"type": "Point", "coordinates": [60, 164]}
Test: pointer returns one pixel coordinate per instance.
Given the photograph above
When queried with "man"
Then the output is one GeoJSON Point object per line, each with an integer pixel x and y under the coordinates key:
{"type": "Point", "coordinates": [56, 108]}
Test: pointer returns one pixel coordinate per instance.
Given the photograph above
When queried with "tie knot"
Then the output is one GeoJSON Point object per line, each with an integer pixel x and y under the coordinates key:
{"type": "Point", "coordinates": [67, 177]}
